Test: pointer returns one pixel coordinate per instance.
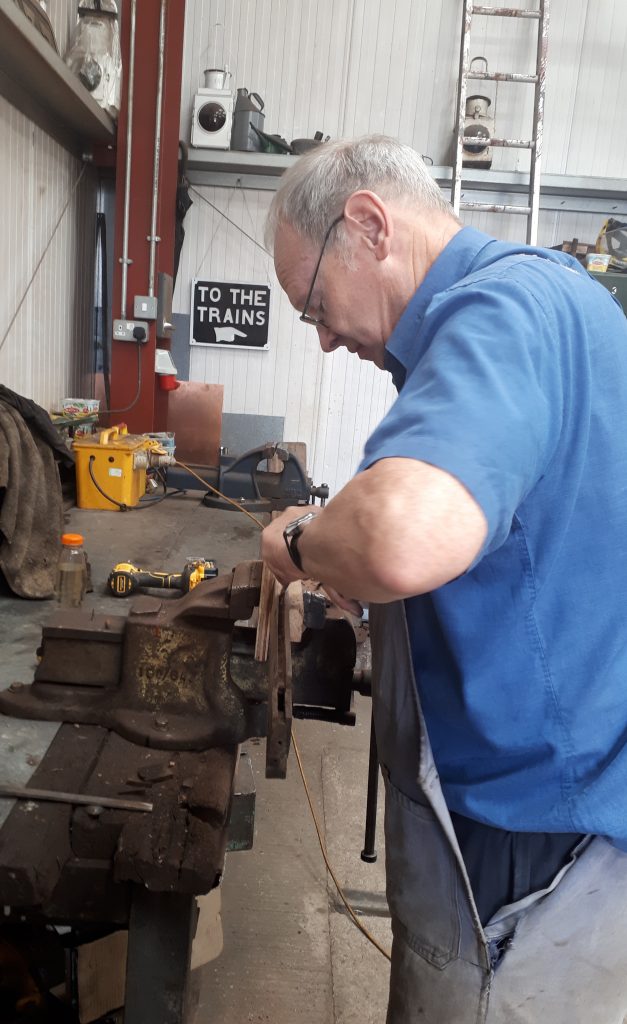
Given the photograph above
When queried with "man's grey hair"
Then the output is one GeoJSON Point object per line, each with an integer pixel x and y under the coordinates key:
{"type": "Point", "coordinates": [313, 192]}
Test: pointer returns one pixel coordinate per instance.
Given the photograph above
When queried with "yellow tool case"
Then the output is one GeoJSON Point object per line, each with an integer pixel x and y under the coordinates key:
{"type": "Point", "coordinates": [111, 468]}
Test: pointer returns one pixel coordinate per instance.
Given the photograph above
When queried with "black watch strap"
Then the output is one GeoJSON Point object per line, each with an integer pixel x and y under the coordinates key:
{"type": "Point", "coordinates": [292, 547]}
{"type": "Point", "coordinates": [291, 533]}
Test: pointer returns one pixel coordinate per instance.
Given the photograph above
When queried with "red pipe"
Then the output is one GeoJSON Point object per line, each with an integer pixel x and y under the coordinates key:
{"type": "Point", "coordinates": [150, 411]}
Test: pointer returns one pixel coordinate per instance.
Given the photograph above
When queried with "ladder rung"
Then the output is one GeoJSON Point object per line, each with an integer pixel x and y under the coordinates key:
{"type": "Point", "coordinates": [506, 12]}
{"type": "Point", "coordinates": [495, 208]}
{"type": "Point", "coordinates": [500, 76]}
{"type": "Point", "coordinates": [511, 143]}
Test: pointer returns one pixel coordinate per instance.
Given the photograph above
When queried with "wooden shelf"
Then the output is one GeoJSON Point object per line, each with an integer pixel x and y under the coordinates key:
{"type": "Point", "coordinates": [559, 192]}
{"type": "Point", "coordinates": [34, 78]}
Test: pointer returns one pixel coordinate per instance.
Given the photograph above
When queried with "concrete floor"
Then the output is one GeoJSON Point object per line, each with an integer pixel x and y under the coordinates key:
{"type": "Point", "coordinates": [290, 952]}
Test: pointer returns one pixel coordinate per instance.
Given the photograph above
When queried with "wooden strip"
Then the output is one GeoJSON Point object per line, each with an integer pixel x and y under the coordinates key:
{"type": "Point", "coordinates": [270, 589]}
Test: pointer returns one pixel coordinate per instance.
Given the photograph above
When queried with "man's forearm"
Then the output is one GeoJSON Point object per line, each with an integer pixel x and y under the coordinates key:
{"type": "Point", "coordinates": [338, 547]}
{"type": "Point", "coordinates": [399, 529]}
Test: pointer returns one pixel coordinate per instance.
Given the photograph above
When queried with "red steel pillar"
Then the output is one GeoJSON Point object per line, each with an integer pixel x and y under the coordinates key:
{"type": "Point", "coordinates": [150, 411]}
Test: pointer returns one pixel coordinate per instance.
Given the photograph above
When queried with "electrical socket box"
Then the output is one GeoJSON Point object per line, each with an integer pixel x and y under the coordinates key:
{"type": "Point", "coordinates": [123, 331]}
{"type": "Point", "coordinates": [145, 307]}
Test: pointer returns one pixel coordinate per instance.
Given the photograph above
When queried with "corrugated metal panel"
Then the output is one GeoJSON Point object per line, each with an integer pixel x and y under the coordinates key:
{"type": "Point", "coordinates": [46, 353]}
{"type": "Point", "coordinates": [348, 67]}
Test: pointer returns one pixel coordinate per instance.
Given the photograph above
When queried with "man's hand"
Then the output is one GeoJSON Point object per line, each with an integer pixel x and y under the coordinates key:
{"type": "Point", "coordinates": [275, 554]}
{"type": "Point", "coordinates": [347, 604]}
{"type": "Point", "coordinates": [274, 549]}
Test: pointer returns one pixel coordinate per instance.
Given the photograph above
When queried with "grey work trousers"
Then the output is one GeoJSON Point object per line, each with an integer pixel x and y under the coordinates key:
{"type": "Point", "coordinates": [566, 956]}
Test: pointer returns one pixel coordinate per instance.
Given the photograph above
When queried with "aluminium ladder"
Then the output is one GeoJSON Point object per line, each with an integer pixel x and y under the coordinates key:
{"type": "Point", "coordinates": [541, 15]}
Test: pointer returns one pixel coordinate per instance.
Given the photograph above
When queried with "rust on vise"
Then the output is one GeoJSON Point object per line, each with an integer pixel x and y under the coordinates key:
{"type": "Point", "coordinates": [176, 688]}
{"type": "Point", "coordinates": [168, 683]}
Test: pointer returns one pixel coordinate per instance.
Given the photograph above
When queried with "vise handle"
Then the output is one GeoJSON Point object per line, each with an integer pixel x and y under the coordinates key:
{"type": "Point", "coordinates": [78, 799]}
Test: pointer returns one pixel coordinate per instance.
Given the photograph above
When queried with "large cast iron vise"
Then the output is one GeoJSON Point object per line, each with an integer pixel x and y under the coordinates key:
{"type": "Point", "coordinates": [156, 704]}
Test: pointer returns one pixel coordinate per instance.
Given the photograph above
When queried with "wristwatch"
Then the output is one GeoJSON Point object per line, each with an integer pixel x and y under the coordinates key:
{"type": "Point", "coordinates": [292, 532]}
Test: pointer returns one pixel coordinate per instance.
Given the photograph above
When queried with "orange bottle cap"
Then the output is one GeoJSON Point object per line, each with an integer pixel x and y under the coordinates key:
{"type": "Point", "coordinates": [72, 540]}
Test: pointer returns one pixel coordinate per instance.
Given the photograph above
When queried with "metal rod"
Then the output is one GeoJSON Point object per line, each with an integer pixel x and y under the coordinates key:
{"type": "Point", "coordinates": [496, 208]}
{"type": "Point", "coordinates": [464, 64]}
{"type": "Point", "coordinates": [369, 852]}
{"type": "Point", "coordinates": [538, 123]}
{"type": "Point", "coordinates": [78, 799]}
{"type": "Point", "coordinates": [153, 238]}
{"type": "Point", "coordinates": [124, 260]}
{"type": "Point", "coordinates": [501, 76]}
{"type": "Point", "coordinates": [507, 12]}
{"type": "Point", "coordinates": [511, 143]}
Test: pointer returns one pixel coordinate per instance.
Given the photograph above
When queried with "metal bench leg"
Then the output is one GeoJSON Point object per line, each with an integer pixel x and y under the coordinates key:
{"type": "Point", "coordinates": [161, 929]}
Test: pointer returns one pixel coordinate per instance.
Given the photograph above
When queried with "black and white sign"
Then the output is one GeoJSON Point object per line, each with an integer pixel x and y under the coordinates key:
{"type": "Point", "coordinates": [230, 315]}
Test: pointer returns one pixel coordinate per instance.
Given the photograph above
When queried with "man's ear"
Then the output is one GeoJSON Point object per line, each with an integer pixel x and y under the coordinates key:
{"type": "Point", "coordinates": [367, 221]}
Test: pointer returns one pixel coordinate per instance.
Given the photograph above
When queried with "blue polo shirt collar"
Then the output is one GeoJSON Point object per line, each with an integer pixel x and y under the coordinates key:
{"type": "Point", "coordinates": [402, 351]}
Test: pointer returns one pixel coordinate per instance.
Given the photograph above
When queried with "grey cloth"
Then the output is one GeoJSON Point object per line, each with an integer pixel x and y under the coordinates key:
{"type": "Point", "coordinates": [31, 508]}
{"type": "Point", "coordinates": [39, 423]}
{"type": "Point", "coordinates": [558, 955]}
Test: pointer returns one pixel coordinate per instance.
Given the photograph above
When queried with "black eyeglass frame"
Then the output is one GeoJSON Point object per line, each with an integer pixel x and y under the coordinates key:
{"type": "Point", "coordinates": [304, 316]}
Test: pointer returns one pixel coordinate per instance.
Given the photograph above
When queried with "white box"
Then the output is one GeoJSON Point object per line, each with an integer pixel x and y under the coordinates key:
{"type": "Point", "coordinates": [212, 119]}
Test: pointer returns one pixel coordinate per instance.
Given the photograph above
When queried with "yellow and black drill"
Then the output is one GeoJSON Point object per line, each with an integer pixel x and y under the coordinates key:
{"type": "Point", "coordinates": [125, 579]}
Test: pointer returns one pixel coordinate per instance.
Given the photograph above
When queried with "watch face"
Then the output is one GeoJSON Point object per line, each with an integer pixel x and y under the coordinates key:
{"type": "Point", "coordinates": [212, 117]}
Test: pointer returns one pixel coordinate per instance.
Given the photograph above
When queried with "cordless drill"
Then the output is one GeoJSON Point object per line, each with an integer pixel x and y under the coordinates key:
{"type": "Point", "coordinates": [125, 579]}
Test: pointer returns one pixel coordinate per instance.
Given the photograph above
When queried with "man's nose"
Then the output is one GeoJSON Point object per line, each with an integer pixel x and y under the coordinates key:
{"type": "Point", "coordinates": [329, 341]}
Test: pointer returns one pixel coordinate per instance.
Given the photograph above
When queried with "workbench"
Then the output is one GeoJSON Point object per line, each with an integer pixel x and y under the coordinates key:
{"type": "Point", "coordinates": [162, 791]}
{"type": "Point", "coordinates": [161, 924]}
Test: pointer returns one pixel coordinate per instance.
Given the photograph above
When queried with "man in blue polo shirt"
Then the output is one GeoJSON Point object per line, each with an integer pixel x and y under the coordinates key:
{"type": "Point", "coordinates": [487, 528]}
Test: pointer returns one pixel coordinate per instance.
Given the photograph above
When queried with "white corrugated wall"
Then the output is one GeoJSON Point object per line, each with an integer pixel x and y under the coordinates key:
{"type": "Point", "coordinates": [46, 355]}
{"type": "Point", "coordinates": [348, 67]}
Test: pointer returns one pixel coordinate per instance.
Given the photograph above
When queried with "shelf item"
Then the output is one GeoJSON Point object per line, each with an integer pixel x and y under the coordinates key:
{"type": "Point", "coordinates": [34, 78]}
{"type": "Point", "coordinates": [562, 193]}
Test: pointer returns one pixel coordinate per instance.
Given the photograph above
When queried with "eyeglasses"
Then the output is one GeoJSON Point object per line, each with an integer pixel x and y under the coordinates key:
{"type": "Point", "coordinates": [304, 316]}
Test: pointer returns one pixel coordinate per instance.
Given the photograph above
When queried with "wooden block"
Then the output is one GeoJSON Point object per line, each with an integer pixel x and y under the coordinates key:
{"type": "Point", "coordinates": [296, 612]}
{"type": "Point", "coordinates": [209, 938]}
{"type": "Point", "coordinates": [297, 448]}
{"type": "Point", "coordinates": [35, 839]}
{"type": "Point", "coordinates": [101, 976]}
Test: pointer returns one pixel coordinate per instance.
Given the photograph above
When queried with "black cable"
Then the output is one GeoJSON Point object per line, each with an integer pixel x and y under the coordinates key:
{"type": "Point", "coordinates": [101, 303]}
{"type": "Point", "coordinates": [120, 504]}
{"type": "Point", "coordinates": [155, 501]}
{"type": "Point", "coordinates": [139, 386]}
{"type": "Point", "coordinates": [41, 258]}
{"type": "Point", "coordinates": [231, 222]}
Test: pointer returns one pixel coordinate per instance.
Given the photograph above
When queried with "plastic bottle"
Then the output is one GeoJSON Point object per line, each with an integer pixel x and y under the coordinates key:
{"type": "Point", "coordinates": [72, 571]}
